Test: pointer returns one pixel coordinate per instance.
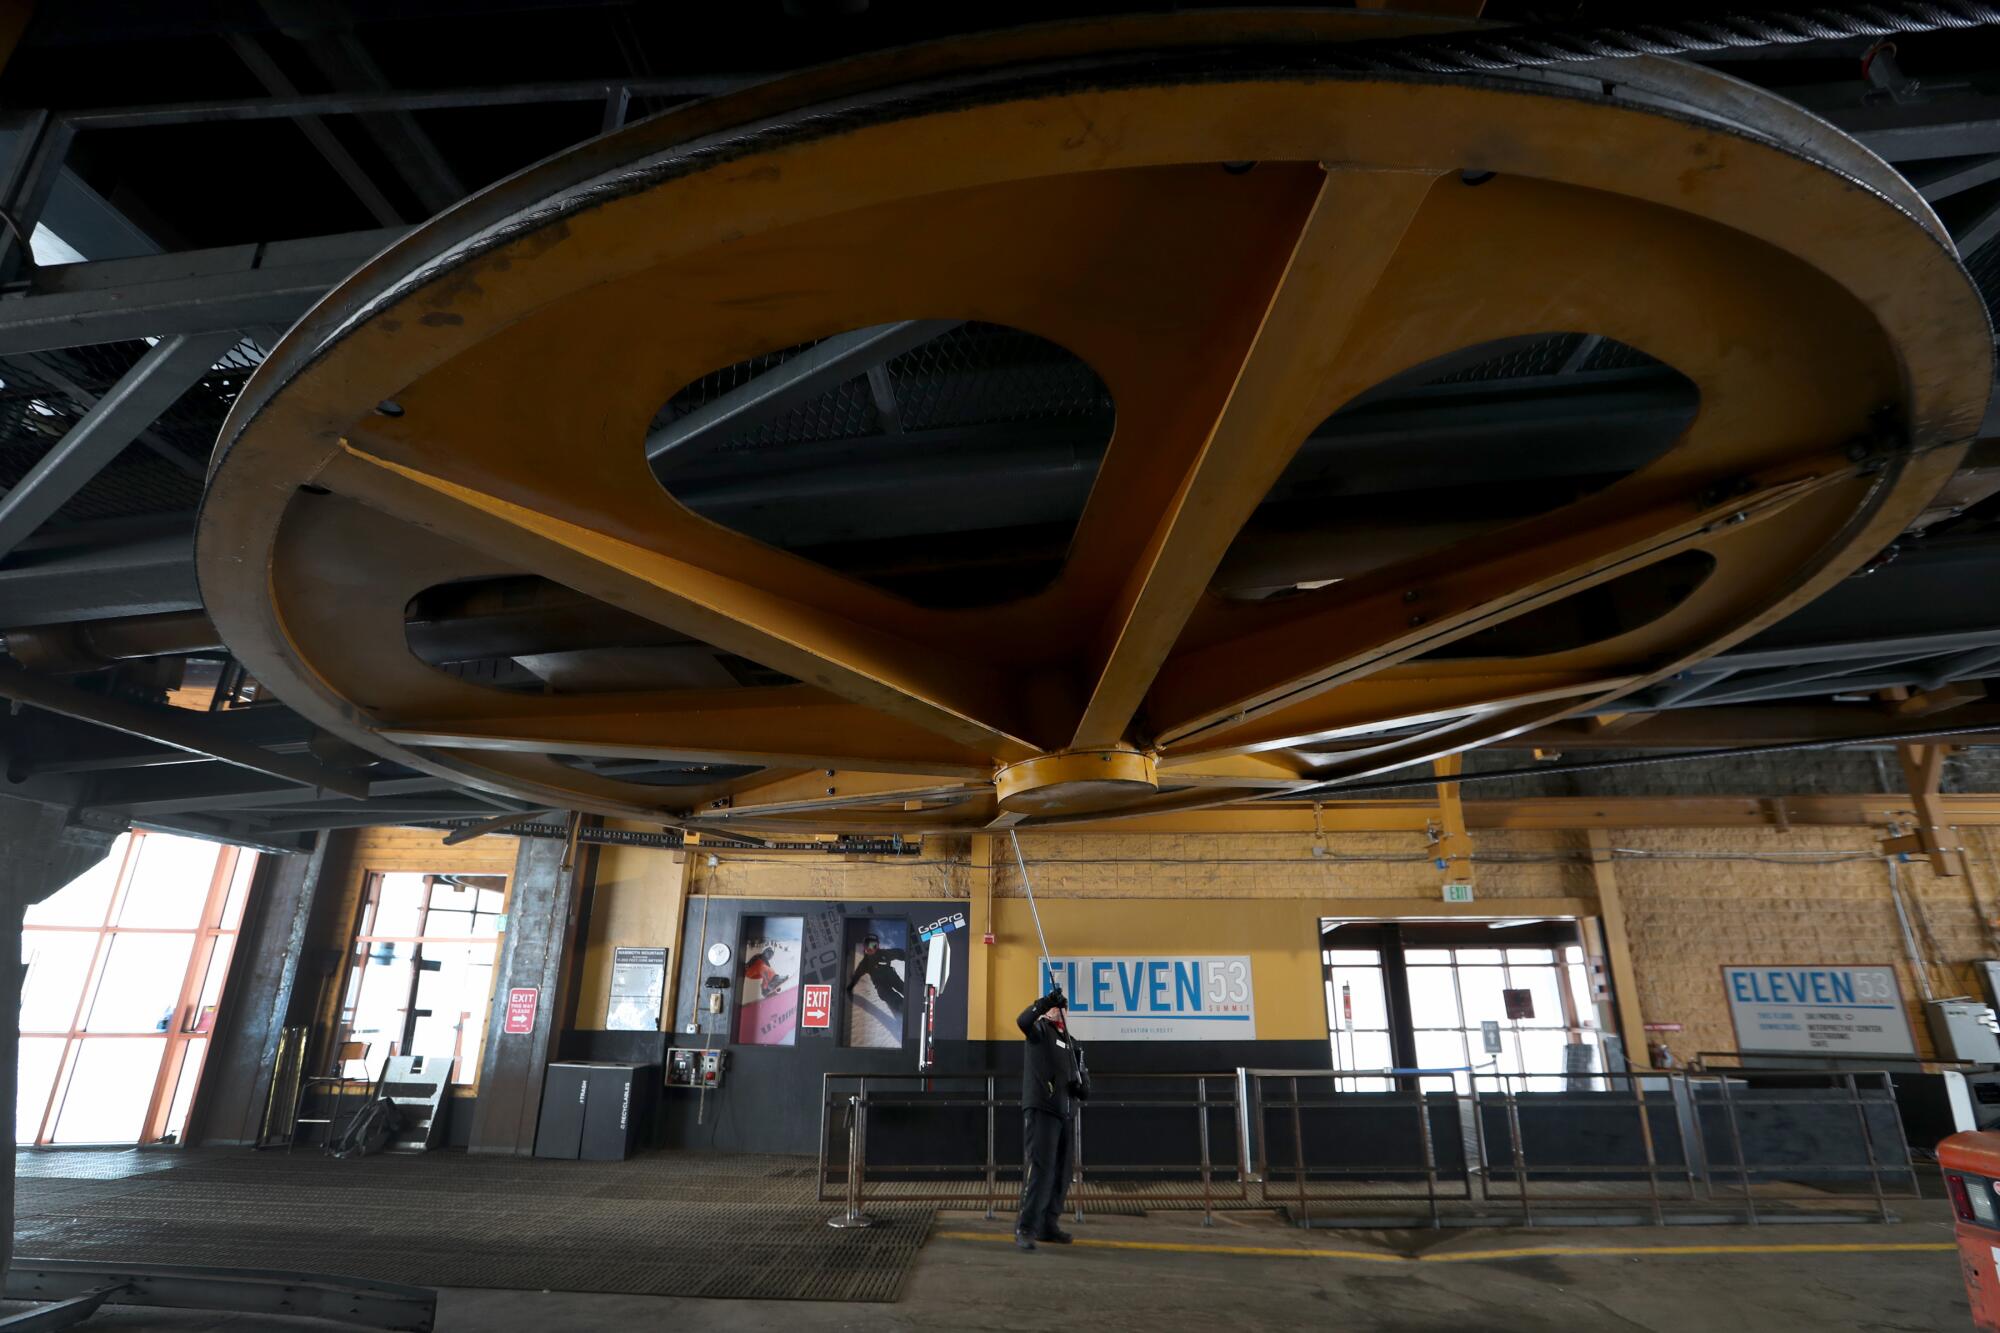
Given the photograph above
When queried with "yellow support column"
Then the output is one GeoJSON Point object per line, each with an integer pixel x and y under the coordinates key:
{"type": "Point", "coordinates": [682, 876]}
{"type": "Point", "coordinates": [1617, 947]}
{"type": "Point", "coordinates": [979, 927]}
{"type": "Point", "coordinates": [1454, 844]}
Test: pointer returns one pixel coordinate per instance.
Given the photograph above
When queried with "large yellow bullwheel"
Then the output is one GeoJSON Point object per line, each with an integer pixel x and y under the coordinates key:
{"type": "Point", "coordinates": [1232, 245]}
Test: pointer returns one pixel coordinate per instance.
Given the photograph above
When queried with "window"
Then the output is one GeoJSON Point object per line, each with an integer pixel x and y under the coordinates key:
{"type": "Point", "coordinates": [767, 990]}
{"type": "Point", "coordinates": [124, 970]}
{"type": "Point", "coordinates": [420, 979]}
{"type": "Point", "coordinates": [1430, 990]}
{"type": "Point", "coordinates": [1357, 1005]}
{"type": "Point", "coordinates": [876, 975]}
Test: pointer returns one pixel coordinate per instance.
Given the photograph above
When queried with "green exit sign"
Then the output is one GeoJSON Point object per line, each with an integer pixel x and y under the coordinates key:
{"type": "Point", "coordinates": [1458, 893]}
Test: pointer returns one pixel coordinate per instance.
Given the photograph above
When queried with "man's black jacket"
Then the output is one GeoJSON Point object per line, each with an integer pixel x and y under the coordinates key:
{"type": "Point", "coordinates": [1052, 1069]}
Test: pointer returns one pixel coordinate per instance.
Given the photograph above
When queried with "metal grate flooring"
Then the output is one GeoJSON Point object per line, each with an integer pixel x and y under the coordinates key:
{"type": "Point", "coordinates": [662, 1224]}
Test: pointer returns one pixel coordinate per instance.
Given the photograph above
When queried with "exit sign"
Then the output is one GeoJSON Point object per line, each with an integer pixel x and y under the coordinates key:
{"type": "Point", "coordinates": [1458, 893]}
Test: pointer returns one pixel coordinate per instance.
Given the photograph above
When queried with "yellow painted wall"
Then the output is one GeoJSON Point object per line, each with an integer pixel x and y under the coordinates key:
{"type": "Point", "coordinates": [636, 902]}
{"type": "Point", "coordinates": [1695, 900]}
{"type": "Point", "coordinates": [1281, 937]}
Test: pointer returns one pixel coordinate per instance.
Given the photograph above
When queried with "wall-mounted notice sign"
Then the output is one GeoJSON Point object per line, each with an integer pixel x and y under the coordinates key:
{"type": "Point", "coordinates": [638, 986]}
{"type": "Point", "coordinates": [1157, 999]}
{"type": "Point", "coordinates": [1818, 1010]}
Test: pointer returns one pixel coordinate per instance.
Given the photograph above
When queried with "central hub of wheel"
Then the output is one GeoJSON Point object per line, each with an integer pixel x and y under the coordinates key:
{"type": "Point", "coordinates": [1076, 782]}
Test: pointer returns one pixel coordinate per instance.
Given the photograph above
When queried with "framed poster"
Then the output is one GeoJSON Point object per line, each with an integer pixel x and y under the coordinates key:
{"type": "Point", "coordinates": [767, 988]}
{"type": "Point", "coordinates": [877, 967]}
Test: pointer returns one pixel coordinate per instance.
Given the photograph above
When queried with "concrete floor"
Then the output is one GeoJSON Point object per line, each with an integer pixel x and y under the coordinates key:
{"type": "Point", "coordinates": [1168, 1272]}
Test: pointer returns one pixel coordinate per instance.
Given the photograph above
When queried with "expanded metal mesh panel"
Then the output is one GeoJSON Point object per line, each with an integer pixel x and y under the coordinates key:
{"type": "Point", "coordinates": [842, 412]}
{"type": "Point", "coordinates": [44, 396]}
{"type": "Point", "coordinates": [980, 374]}
{"type": "Point", "coordinates": [663, 1224]}
{"type": "Point", "coordinates": [1541, 358]}
{"type": "Point", "coordinates": [1549, 356]}
{"type": "Point", "coordinates": [137, 482]}
{"type": "Point", "coordinates": [1613, 355]}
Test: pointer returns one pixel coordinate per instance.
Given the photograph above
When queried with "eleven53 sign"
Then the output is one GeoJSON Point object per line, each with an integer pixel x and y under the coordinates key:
{"type": "Point", "coordinates": [1157, 999]}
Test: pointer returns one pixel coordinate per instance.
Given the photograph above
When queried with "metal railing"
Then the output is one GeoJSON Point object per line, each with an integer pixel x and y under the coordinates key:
{"type": "Point", "coordinates": [850, 1103]}
{"type": "Point", "coordinates": [1658, 1146]}
{"type": "Point", "coordinates": [1640, 1146]}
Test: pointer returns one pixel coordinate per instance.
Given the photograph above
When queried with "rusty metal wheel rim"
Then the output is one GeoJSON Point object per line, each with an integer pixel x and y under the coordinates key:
{"type": "Point", "coordinates": [1812, 261]}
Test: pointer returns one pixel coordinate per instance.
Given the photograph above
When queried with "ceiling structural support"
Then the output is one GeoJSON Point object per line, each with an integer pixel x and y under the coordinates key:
{"type": "Point", "coordinates": [196, 291]}
{"type": "Point", "coordinates": [1933, 837]}
{"type": "Point", "coordinates": [45, 369]}
{"type": "Point", "coordinates": [1952, 176]}
{"type": "Point", "coordinates": [41, 142]}
{"type": "Point", "coordinates": [317, 132]}
{"type": "Point", "coordinates": [341, 57]}
{"type": "Point", "coordinates": [796, 380]}
{"type": "Point", "coordinates": [216, 790]}
{"type": "Point", "coordinates": [162, 375]}
{"type": "Point", "coordinates": [99, 572]}
{"type": "Point", "coordinates": [179, 728]}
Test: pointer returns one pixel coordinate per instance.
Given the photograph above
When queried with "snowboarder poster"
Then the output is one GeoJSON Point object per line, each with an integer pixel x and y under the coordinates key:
{"type": "Point", "coordinates": [767, 1002]}
{"type": "Point", "coordinates": [877, 978]}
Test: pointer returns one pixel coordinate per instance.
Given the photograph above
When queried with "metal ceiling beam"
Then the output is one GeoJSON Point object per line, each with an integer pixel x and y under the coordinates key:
{"type": "Point", "coordinates": [162, 375]}
{"type": "Point", "coordinates": [76, 747]}
{"type": "Point", "coordinates": [1942, 122]}
{"type": "Point", "coordinates": [797, 380]}
{"type": "Point", "coordinates": [40, 143]}
{"type": "Point", "coordinates": [199, 291]}
{"type": "Point", "coordinates": [1945, 177]}
{"type": "Point", "coordinates": [1702, 728]}
{"type": "Point", "coordinates": [238, 835]}
{"type": "Point", "coordinates": [94, 578]}
{"type": "Point", "coordinates": [177, 727]}
{"type": "Point", "coordinates": [368, 817]}
{"type": "Point", "coordinates": [1897, 648]}
{"type": "Point", "coordinates": [153, 793]}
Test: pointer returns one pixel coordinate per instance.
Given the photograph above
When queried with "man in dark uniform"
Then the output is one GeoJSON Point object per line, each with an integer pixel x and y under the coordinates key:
{"type": "Point", "coordinates": [1053, 1080]}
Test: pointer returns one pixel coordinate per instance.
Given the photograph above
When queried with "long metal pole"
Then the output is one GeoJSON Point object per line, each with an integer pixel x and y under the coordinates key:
{"type": "Point", "coordinates": [1030, 890]}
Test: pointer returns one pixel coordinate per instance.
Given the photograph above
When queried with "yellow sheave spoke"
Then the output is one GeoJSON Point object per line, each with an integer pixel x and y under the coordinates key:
{"type": "Point", "coordinates": [1346, 240]}
{"type": "Point", "coordinates": [1349, 631]}
{"type": "Point", "coordinates": [952, 698]}
{"type": "Point", "coordinates": [786, 726]}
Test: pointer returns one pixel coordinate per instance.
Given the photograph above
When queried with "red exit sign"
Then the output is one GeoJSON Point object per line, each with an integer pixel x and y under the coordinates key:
{"type": "Point", "coordinates": [818, 1007]}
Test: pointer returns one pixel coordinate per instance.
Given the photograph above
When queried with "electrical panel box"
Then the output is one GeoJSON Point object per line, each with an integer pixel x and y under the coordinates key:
{"type": "Point", "coordinates": [1989, 974]}
{"type": "Point", "coordinates": [692, 1067]}
{"type": "Point", "coordinates": [1964, 1030]}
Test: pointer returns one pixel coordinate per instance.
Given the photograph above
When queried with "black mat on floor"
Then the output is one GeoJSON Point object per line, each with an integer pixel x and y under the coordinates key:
{"type": "Point", "coordinates": [666, 1224]}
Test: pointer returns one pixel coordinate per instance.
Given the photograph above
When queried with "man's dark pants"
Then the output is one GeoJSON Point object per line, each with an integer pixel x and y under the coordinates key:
{"type": "Point", "coordinates": [1046, 1137]}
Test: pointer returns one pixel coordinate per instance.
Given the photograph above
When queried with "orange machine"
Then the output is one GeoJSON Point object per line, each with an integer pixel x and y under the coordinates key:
{"type": "Point", "coordinates": [1971, 1163]}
